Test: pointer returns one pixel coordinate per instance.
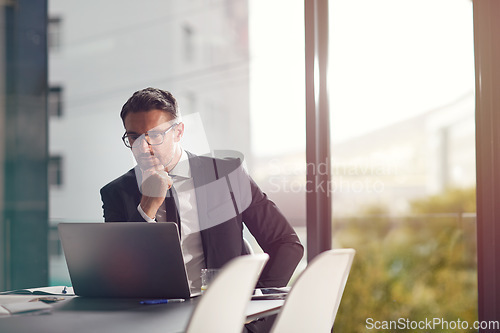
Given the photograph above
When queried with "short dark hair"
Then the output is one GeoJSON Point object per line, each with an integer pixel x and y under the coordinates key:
{"type": "Point", "coordinates": [150, 99]}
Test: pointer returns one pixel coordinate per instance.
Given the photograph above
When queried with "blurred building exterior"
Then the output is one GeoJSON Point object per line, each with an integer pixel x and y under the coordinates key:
{"type": "Point", "coordinates": [388, 167]}
{"type": "Point", "coordinates": [411, 159]}
{"type": "Point", "coordinates": [102, 52]}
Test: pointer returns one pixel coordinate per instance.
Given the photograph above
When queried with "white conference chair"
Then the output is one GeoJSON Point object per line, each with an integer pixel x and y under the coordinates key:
{"type": "Point", "coordinates": [222, 306]}
{"type": "Point", "coordinates": [248, 246]}
{"type": "Point", "coordinates": [312, 303]}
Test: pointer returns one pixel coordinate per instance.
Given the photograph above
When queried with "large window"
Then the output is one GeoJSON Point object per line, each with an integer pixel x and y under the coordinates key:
{"type": "Point", "coordinates": [402, 95]}
{"type": "Point", "coordinates": [403, 159]}
{"type": "Point", "coordinates": [402, 128]}
{"type": "Point", "coordinates": [227, 62]}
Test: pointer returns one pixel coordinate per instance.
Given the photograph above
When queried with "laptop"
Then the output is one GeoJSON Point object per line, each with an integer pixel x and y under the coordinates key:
{"type": "Point", "coordinates": [125, 259]}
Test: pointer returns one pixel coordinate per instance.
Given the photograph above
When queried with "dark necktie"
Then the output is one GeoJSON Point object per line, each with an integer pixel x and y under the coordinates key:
{"type": "Point", "coordinates": [168, 211]}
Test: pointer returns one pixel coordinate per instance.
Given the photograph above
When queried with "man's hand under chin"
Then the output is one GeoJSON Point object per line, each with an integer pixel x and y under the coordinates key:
{"type": "Point", "coordinates": [155, 184]}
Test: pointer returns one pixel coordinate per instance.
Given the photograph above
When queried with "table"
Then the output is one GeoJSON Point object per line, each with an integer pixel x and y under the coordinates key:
{"type": "Point", "coordinates": [79, 314]}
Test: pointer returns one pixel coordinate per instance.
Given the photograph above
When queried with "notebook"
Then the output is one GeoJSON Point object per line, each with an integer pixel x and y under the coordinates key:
{"type": "Point", "coordinates": [125, 259]}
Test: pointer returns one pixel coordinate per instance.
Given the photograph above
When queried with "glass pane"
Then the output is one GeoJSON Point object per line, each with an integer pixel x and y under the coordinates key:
{"type": "Point", "coordinates": [403, 148]}
{"type": "Point", "coordinates": [277, 106]}
{"type": "Point", "coordinates": [228, 64]}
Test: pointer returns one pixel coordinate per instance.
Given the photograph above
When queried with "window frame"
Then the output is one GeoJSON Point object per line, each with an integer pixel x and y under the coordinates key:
{"type": "Point", "coordinates": [487, 53]}
{"type": "Point", "coordinates": [486, 39]}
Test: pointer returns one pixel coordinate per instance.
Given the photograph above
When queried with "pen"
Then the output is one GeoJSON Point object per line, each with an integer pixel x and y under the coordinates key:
{"type": "Point", "coordinates": [162, 301]}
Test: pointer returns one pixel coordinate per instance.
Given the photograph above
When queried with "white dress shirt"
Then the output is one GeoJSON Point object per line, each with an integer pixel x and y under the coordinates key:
{"type": "Point", "coordinates": [191, 243]}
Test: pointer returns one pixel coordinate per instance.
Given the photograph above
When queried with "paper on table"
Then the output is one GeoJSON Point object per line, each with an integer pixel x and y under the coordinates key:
{"type": "Point", "coordinates": [54, 290]}
{"type": "Point", "coordinates": [270, 293]}
{"type": "Point", "coordinates": [24, 308]}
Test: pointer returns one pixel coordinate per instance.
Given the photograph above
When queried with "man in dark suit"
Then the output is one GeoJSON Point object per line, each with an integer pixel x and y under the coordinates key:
{"type": "Point", "coordinates": [210, 198]}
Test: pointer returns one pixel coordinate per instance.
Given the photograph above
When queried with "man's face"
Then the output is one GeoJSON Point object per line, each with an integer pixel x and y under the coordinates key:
{"type": "Point", "coordinates": [146, 130]}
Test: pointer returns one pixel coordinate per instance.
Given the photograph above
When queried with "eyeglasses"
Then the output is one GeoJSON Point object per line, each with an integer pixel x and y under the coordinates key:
{"type": "Point", "coordinates": [153, 138]}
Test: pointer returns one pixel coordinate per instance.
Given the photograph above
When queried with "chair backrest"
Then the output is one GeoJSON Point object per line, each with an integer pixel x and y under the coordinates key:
{"type": "Point", "coordinates": [248, 246]}
{"type": "Point", "coordinates": [222, 306]}
{"type": "Point", "coordinates": [312, 303]}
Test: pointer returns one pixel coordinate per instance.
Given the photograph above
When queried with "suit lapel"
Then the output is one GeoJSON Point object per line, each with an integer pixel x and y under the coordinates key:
{"type": "Point", "coordinates": [203, 174]}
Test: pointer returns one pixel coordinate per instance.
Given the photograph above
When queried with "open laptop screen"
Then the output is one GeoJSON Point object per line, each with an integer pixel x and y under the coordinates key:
{"type": "Point", "coordinates": [125, 259]}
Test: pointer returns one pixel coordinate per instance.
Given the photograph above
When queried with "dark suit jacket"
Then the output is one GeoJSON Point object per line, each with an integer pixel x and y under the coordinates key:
{"type": "Point", "coordinates": [221, 241]}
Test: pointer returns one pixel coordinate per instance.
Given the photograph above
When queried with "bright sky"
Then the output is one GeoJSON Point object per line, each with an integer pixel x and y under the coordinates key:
{"type": "Point", "coordinates": [389, 60]}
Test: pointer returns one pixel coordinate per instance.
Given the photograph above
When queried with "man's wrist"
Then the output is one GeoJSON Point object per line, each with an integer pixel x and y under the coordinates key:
{"type": "Point", "coordinates": [145, 216]}
{"type": "Point", "coordinates": [150, 205]}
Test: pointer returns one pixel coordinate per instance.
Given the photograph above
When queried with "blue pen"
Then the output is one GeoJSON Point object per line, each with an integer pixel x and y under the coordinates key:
{"type": "Point", "coordinates": [162, 301]}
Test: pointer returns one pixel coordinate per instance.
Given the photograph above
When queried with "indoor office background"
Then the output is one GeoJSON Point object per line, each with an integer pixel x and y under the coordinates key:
{"type": "Point", "coordinates": [402, 129]}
